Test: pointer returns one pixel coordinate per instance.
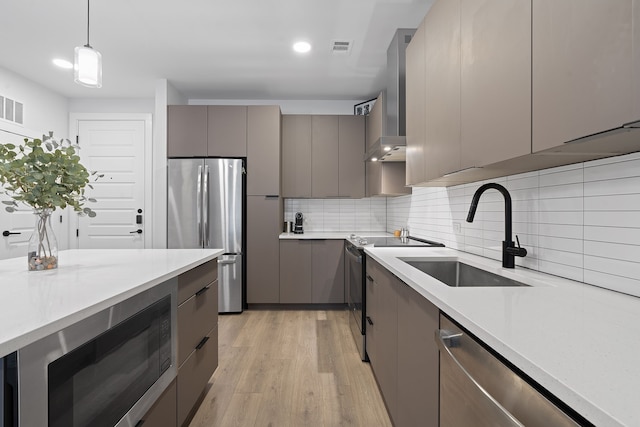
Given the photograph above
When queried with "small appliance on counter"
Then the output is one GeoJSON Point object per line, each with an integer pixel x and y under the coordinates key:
{"type": "Point", "coordinates": [297, 228]}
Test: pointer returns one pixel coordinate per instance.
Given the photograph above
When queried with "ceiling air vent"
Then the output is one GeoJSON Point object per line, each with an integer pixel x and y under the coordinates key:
{"type": "Point", "coordinates": [341, 47]}
{"type": "Point", "coordinates": [11, 110]}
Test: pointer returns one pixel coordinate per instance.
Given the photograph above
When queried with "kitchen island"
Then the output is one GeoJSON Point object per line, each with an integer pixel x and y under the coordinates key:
{"type": "Point", "coordinates": [36, 304]}
{"type": "Point", "coordinates": [577, 341]}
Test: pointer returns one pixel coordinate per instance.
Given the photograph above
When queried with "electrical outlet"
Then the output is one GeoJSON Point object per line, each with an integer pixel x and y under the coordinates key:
{"type": "Point", "coordinates": [457, 227]}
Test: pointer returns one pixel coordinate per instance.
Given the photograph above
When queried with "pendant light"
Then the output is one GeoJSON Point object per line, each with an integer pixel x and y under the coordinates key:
{"type": "Point", "coordinates": [88, 63]}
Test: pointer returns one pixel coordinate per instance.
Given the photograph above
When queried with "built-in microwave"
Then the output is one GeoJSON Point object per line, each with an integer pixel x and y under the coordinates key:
{"type": "Point", "coordinates": [106, 370]}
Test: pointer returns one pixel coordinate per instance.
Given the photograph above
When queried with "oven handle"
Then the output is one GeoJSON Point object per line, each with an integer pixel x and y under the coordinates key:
{"type": "Point", "coordinates": [353, 253]}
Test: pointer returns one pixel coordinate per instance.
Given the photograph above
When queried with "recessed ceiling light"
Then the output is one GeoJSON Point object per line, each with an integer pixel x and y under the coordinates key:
{"type": "Point", "coordinates": [374, 159]}
{"type": "Point", "coordinates": [302, 47]}
{"type": "Point", "coordinates": [387, 148]}
{"type": "Point", "coordinates": [62, 63]}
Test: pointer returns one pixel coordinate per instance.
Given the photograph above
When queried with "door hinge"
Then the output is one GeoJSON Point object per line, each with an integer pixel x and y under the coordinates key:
{"type": "Point", "coordinates": [77, 232]}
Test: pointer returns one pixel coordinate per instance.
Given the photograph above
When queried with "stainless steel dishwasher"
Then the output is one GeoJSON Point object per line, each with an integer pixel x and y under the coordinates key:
{"type": "Point", "coordinates": [477, 389]}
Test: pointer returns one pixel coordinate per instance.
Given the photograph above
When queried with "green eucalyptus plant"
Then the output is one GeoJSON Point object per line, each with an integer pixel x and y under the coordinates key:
{"type": "Point", "coordinates": [45, 174]}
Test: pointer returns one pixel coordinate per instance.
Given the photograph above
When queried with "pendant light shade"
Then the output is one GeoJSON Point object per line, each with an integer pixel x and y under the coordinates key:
{"type": "Point", "coordinates": [88, 67]}
{"type": "Point", "coordinates": [87, 63]}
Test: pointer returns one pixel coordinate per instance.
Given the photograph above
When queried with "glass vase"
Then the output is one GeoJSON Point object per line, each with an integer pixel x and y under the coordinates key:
{"type": "Point", "coordinates": [43, 245]}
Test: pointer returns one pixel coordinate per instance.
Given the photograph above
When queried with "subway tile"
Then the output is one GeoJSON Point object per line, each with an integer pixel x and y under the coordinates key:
{"type": "Point", "coordinates": [573, 176]}
{"type": "Point", "coordinates": [561, 191]}
{"type": "Point", "coordinates": [612, 218]}
{"type": "Point", "coordinates": [561, 230]}
{"type": "Point", "coordinates": [566, 271]}
{"type": "Point", "coordinates": [561, 168]}
{"type": "Point", "coordinates": [560, 257]}
{"type": "Point", "coordinates": [615, 267]}
{"type": "Point", "coordinates": [612, 234]}
{"type": "Point", "coordinates": [618, 251]}
{"type": "Point", "coordinates": [560, 244]}
{"type": "Point", "coordinates": [622, 169]}
{"type": "Point", "coordinates": [618, 202]}
{"type": "Point", "coordinates": [562, 218]}
{"type": "Point", "coordinates": [629, 185]}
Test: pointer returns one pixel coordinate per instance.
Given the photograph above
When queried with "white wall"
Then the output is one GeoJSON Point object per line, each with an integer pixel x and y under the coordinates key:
{"type": "Point", "coordinates": [44, 110]}
{"type": "Point", "coordinates": [579, 221]}
{"type": "Point", "coordinates": [112, 105]}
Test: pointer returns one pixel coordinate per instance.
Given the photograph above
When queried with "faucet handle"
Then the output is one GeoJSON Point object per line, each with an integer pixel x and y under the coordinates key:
{"type": "Point", "coordinates": [519, 251]}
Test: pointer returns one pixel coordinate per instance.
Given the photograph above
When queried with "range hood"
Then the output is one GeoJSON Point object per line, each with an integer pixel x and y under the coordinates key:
{"type": "Point", "coordinates": [391, 147]}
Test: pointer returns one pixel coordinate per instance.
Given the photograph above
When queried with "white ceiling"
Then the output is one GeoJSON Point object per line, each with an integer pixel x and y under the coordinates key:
{"type": "Point", "coordinates": [208, 49]}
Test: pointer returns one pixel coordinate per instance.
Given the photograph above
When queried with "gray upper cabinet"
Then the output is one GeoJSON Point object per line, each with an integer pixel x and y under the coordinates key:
{"type": "Point", "coordinates": [227, 135]}
{"type": "Point", "coordinates": [324, 156]}
{"type": "Point", "coordinates": [351, 167]}
{"type": "Point", "coordinates": [495, 110]}
{"type": "Point", "coordinates": [263, 150]}
{"type": "Point", "coordinates": [186, 131]}
{"type": "Point", "coordinates": [296, 155]}
{"type": "Point", "coordinates": [416, 104]}
{"type": "Point", "coordinates": [442, 74]}
{"type": "Point", "coordinates": [583, 76]}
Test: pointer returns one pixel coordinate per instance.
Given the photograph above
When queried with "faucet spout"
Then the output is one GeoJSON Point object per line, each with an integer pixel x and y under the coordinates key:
{"type": "Point", "coordinates": [509, 251]}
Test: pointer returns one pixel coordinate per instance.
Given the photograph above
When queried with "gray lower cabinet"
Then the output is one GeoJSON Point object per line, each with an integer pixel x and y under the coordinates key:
{"type": "Point", "coordinates": [264, 222]}
{"type": "Point", "coordinates": [418, 360]}
{"type": "Point", "coordinates": [163, 412]}
{"type": "Point", "coordinates": [404, 357]}
{"type": "Point", "coordinates": [197, 336]}
{"type": "Point", "coordinates": [312, 271]}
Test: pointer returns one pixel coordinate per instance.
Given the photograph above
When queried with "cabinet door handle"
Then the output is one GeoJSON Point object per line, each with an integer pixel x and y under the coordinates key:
{"type": "Point", "coordinates": [369, 321]}
{"type": "Point", "coordinates": [7, 233]}
{"type": "Point", "coordinates": [202, 343]}
{"type": "Point", "coordinates": [369, 278]}
{"type": "Point", "coordinates": [202, 291]}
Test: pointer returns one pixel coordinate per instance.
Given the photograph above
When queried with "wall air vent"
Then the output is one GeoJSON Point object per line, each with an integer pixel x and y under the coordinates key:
{"type": "Point", "coordinates": [11, 110]}
{"type": "Point", "coordinates": [341, 47]}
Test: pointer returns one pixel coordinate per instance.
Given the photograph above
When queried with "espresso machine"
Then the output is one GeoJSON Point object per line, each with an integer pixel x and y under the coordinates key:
{"type": "Point", "coordinates": [297, 227]}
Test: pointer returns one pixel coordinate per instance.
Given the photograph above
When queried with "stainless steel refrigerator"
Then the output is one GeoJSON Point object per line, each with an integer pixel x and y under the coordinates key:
{"type": "Point", "coordinates": [205, 210]}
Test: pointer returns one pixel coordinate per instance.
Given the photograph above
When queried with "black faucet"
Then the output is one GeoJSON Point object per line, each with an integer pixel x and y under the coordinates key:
{"type": "Point", "coordinates": [509, 251]}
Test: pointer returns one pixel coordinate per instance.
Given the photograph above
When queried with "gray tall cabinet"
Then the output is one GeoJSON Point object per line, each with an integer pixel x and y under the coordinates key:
{"type": "Point", "coordinates": [253, 132]}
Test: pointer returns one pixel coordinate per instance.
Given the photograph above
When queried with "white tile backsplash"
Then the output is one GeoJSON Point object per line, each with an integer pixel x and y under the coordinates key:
{"type": "Point", "coordinates": [579, 221]}
{"type": "Point", "coordinates": [347, 215]}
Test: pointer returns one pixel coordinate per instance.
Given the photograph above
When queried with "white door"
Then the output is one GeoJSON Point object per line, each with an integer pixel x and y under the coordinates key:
{"type": "Point", "coordinates": [115, 148]}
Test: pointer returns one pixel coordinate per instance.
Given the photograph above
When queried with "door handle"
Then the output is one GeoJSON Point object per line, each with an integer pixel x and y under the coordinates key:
{"type": "Point", "coordinates": [369, 321]}
{"type": "Point", "coordinates": [7, 233]}
{"type": "Point", "coordinates": [139, 231]}
{"type": "Point", "coordinates": [226, 261]}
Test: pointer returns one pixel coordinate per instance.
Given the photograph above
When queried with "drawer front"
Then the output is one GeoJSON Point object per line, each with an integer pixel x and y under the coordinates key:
{"type": "Point", "coordinates": [163, 412]}
{"type": "Point", "coordinates": [194, 375]}
{"type": "Point", "coordinates": [195, 279]}
{"type": "Point", "coordinates": [196, 317]}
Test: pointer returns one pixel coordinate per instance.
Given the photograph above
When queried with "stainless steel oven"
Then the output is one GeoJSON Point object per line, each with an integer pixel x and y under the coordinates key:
{"type": "Point", "coordinates": [106, 370]}
{"type": "Point", "coordinates": [354, 271]}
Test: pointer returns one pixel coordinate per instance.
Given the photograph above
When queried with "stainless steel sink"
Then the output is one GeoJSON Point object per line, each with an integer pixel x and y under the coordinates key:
{"type": "Point", "coordinates": [459, 274]}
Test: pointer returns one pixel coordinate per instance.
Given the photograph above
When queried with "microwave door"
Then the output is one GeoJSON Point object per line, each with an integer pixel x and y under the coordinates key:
{"type": "Point", "coordinates": [184, 204]}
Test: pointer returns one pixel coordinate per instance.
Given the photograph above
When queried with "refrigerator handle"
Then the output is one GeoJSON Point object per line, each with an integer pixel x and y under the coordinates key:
{"type": "Point", "coordinates": [199, 205]}
{"type": "Point", "coordinates": [205, 207]}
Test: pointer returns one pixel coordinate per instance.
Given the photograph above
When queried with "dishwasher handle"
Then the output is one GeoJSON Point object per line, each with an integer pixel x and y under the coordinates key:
{"type": "Point", "coordinates": [448, 339]}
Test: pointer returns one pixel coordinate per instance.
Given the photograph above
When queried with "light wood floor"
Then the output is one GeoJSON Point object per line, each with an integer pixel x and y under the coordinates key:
{"type": "Point", "coordinates": [290, 368]}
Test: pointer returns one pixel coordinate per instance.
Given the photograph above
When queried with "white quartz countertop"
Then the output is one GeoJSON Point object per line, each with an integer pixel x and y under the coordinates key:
{"type": "Point", "coordinates": [580, 342]}
{"type": "Point", "coordinates": [37, 303]}
{"type": "Point", "coordinates": [331, 235]}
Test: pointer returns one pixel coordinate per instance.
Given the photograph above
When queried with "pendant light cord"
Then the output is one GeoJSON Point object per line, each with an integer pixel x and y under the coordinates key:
{"type": "Point", "coordinates": [88, 45]}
